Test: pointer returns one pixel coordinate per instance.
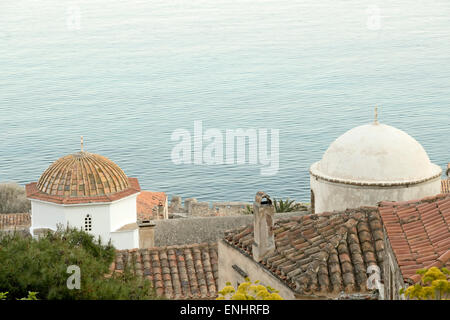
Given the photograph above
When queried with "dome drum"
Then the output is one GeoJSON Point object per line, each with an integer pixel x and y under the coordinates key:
{"type": "Point", "coordinates": [369, 164]}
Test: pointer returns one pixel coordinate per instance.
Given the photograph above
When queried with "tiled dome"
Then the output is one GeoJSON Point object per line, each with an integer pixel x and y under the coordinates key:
{"type": "Point", "coordinates": [83, 174]}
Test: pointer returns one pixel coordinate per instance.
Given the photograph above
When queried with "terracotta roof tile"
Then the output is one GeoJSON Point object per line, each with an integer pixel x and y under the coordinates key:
{"type": "Point", "coordinates": [34, 193]}
{"type": "Point", "coordinates": [147, 204]}
{"type": "Point", "coordinates": [321, 254]}
{"type": "Point", "coordinates": [445, 186]}
{"type": "Point", "coordinates": [177, 272]}
{"type": "Point", "coordinates": [10, 221]}
{"type": "Point", "coordinates": [419, 234]}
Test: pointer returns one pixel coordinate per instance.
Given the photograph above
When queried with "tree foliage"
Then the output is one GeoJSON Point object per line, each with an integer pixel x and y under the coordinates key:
{"type": "Point", "coordinates": [248, 291]}
{"type": "Point", "coordinates": [434, 285]}
{"type": "Point", "coordinates": [40, 265]}
{"type": "Point", "coordinates": [248, 209]}
{"type": "Point", "coordinates": [13, 199]}
{"type": "Point", "coordinates": [31, 296]}
{"type": "Point", "coordinates": [286, 206]}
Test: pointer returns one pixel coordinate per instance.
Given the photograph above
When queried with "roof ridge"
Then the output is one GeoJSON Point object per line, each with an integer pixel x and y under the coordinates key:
{"type": "Point", "coordinates": [408, 203]}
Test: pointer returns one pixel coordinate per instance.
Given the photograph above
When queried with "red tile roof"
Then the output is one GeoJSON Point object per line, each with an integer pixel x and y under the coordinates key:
{"type": "Point", "coordinates": [34, 193]}
{"type": "Point", "coordinates": [82, 174]}
{"type": "Point", "coordinates": [445, 186]}
{"type": "Point", "coordinates": [15, 220]}
{"type": "Point", "coordinates": [148, 202]}
{"type": "Point", "coordinates": [419, 232]}
{"type": "Point", "coordinates": [321, 254]}
{"type": "Point", "coordinates": [177, 272]}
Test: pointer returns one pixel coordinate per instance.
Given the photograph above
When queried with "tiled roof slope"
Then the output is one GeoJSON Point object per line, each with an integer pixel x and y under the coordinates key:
{"type": "Point", "coordinates": [321, 254]}
{"type": "Point", "coordinates": [418, 232]}
{"type": "Point", "coordinates": [34, 193]}
{"type": "Point", "coordinates": [146, 203]}
{"type": "Point", "coordinates": [445, 186]}
{"type": "Point", "coordinates": [177, 272]}
{"type": "Point", "coordinates": [15, 220]}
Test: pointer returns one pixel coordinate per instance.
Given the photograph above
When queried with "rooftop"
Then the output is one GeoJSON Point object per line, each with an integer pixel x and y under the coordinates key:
{"type": "Point", "coordinates": [321, 255]}
{"type": "Point", "coordinates": [376, 154]}
{"type": "Point", "coordinates": [419, 233]}
{"type": "Point", "coordinates": [445, 186]}
{"type": "Point", "coordinates": [14, 221]}
{"type": "Point", "coordinates": [82, 177]}
{"type": "Point", "coordinates": [177, 272]}
{"type": "Point", "coordinates": [34, 193]}
{"type": "Point", "coordinates": [147, 202]}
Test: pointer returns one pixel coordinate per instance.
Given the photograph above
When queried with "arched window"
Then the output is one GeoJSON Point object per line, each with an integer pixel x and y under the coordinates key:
{"type": "Point", "coordinates": [88, 223]}
{"type": "Point", "coordinates": [313, 200]}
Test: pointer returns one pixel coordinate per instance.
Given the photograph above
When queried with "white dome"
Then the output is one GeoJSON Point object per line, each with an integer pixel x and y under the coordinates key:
{"type": "Point", "coordinates": [376, 154]}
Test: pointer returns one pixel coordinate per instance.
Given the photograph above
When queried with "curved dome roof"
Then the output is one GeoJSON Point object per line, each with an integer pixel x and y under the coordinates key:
{"type": "Point", "coordinates": [83, 174]}
{"type": "Point", "coordinates": [376, 154]}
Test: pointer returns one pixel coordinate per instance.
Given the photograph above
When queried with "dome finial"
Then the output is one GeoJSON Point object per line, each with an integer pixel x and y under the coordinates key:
{"type": "Point", "coordinates": [81, 144]}
{"type": "Point", "coordinates": [376, 116]}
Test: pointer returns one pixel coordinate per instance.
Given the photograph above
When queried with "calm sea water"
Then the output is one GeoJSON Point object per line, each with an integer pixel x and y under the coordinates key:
{"type": "Point", "coordinates": [136, 71]}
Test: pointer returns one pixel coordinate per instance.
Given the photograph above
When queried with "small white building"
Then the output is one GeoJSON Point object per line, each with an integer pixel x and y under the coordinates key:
{"type": "Point", "coordinates": [369, 164]}
{"type": "Point", "coordinates": [88, 191]}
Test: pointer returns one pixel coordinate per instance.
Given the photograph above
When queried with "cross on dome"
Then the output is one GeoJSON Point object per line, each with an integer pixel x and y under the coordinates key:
{"type": "Point", "coordinates": [376, 116]}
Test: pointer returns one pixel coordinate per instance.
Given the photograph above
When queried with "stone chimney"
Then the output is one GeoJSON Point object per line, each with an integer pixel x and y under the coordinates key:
{"type": "Point", "coordinates": [263, 211]}
{"type": "Point", "coordinates": [175, 204]}
{"type": "Point", "coordinates": [161, 211]}
{"type": "Point", "coordinates": [146, 234]}
{"type": "Point", "coordinates": [188, 205]}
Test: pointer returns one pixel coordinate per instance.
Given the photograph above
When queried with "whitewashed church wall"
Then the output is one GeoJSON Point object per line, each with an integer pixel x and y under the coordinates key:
{"type": "Point", "coordinates": [128, 239]}
{"type": "Point", "coordinates": [46, 215]}
{"type": "Point", "coordinates": [123, 212]}
{"type": "Point", "coordinates": [330, 196]}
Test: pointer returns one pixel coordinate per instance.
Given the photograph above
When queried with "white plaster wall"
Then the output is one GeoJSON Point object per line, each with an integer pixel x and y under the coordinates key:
{"type": "Point", "coordinates": [123, 212]}
{"type": "Point", "coordinates": [99, 213]}
{"type": "Point", "coordinates": [330, 196]}
{"type": "Point", "coordinates": [105, 218]}
{"type": "Point", "coordinates": [229, 256]}
{"type": "Point", "coordinates": [46, 215]}
{"type": "Point", "coordinates": [128, 239]}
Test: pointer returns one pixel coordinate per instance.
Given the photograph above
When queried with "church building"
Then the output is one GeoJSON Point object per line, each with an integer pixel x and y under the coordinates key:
{"type": "Point", "coordinates": [372, 163]}
{"type": "Point", "coordinates": [87, 191]}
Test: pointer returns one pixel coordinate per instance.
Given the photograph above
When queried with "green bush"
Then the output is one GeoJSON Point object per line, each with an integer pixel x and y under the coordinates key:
{"type": "Point", "coordinates": [286, 206]}
{"type": "Point", "coordinates": [31, 296]}
{"type": "Point", "coordinates": [40, 265]}
{"type": "Point", "coordinates": [13, 199]}
{"type": "Point", "coordinates": [248, 210]}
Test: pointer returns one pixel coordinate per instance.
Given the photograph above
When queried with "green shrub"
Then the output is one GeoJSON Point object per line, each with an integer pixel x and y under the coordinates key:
{"type": "Point", "coordinates": [13, 199]}
{"type": "Point", "coordinates": [434, 285]}
{"type": "Point", "coordinates": [40, 265]}
{"type": "Point", "coordinates": [248, 209]}
{"type": "Point", "coordinates": [286, 206]}
{"type": "Point", "coordinates": [248, 290]}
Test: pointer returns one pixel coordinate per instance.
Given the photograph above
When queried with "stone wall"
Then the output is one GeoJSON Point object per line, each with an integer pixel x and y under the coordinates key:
{"type": "Point", "coordinates": [392, 277]}
{"type": "Point", "coordinates": [202, 229]}
{"type": "Point", "coordinates": [234, 266]}
{"type": "Point", "coordinates": [204, 209]}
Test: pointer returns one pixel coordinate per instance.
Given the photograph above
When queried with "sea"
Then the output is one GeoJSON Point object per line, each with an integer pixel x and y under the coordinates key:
{"type": "Point", "coordinates": [127, 74]}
